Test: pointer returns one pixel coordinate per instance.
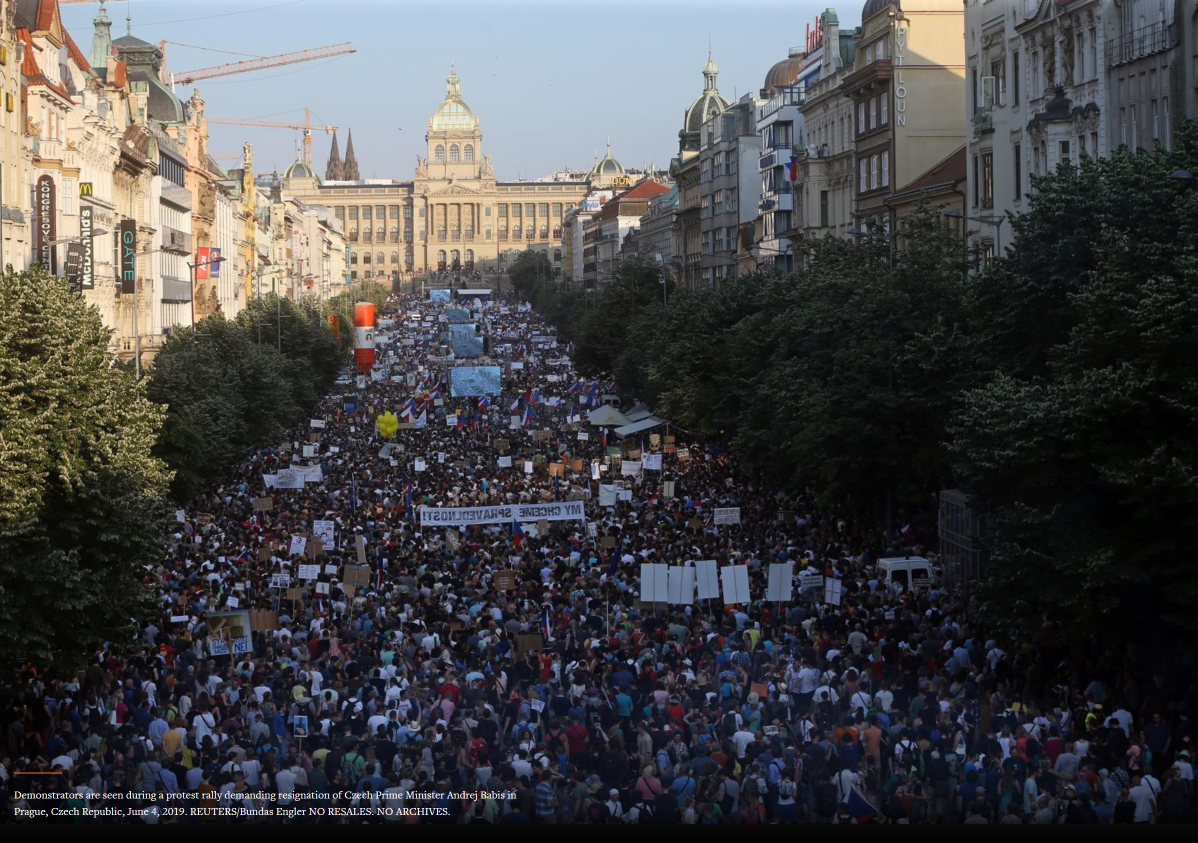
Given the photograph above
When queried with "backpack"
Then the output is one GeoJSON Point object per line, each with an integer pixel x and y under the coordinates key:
{"type": "Point", "coordinates": [347, 767]}
{"type": "Point", "coordinates": [729, 724]}
{"type": "Point", "coordinates": [644, 814]}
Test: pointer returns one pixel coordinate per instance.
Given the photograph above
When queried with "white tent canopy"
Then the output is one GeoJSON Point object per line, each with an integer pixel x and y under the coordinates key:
{"type": "Point", "coordinates": [639, 426]}
{"type": "Point", "coordinates": [607, 416]}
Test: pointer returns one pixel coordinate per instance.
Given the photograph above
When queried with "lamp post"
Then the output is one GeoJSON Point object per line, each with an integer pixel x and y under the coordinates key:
{"type": "Point", "coordinates": [1186, 178]}
{"type": "Point", "coordinates": [994, 221]}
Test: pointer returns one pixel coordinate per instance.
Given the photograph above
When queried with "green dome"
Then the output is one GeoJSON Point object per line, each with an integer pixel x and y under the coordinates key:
{"type": "Point", "coordinates": [452, 113]}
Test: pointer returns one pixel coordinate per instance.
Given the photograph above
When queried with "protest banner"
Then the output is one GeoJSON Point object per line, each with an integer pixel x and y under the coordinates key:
{"type": "Point", "coordinates": [727, 515]}
{"type": "Point", "coordinates": [466, 515]}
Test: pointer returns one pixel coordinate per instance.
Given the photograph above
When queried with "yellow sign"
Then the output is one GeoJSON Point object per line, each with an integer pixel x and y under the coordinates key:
{"type": "Point", "coordinates": [85, 188]}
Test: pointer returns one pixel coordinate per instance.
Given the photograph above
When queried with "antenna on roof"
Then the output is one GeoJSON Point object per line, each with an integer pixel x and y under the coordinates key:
{"type": "Point", "coordinates": [128, 19]}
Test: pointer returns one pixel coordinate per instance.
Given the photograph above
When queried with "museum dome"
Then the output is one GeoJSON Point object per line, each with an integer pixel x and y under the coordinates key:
{"type": "Point", "coordinates": [872, 7]}
{"type": "Point", "coordinates": [606, 167]}
{"type": "Point", "coordinates": [709, 102]}
{"type": "Point", "coordinates": [453, 113]}
{"type": "Point", "coordinates": [299, 170]}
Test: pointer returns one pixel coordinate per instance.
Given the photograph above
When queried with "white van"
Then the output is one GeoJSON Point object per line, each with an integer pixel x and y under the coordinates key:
{"type": "Point", "coordinates": [913, 572]}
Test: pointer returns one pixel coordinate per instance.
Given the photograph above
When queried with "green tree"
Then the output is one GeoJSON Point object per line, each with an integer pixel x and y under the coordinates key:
{"type": "Point", "coordinates": [1082, 441]}
{"type": "Point", "coordinates": [82, 500]}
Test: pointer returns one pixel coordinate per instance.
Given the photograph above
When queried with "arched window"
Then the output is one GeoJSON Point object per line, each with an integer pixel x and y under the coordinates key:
{"type": "Point", "coordinates": [557, 255]}
{"type": "Point", "coordinates": [380, 258]}
{"type": "Point", "coordinates": [394, 235]}
{"type": "Point", "coordinates": [531, 232]}
{"type": "Point", "coordinates": [353, 257]}
{"type": "Point", "coordinates": [395, 257]}
{"type": "Point", "coordinates": [453, 153]}
{"type": "Point", "coordinates": [469, 152]}
{"type": "Point", "coordinates": [439, 153]}
{"type": "Point", "coordinates": [380, 235]}
{"type": "Point", "coordinates": [407, 258]}
{"type": "Point", "coordinates": [544, 232]}
{"type": "Point", "coordinates": [469, 257]}
{"type": "Point", "coordinates": [456, 257]}
{"type": "Point", "coordinates": [353, 235]}
{"type": "Point", "coordinates": [366, 257]}
{"type": "Point", "coordinates": [516, 232]}
{"type": "Point", "coordinates": [503, 232]}
{"type": "Point", "coordinates": [557, 232]}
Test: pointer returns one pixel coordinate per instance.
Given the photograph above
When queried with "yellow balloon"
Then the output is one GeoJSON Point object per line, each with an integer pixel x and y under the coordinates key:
{"type": "Point", "coordinates": [387, 424]}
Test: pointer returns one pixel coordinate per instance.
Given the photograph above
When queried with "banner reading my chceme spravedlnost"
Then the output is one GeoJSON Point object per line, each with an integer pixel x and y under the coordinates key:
{"type": "Point", "coordinates": [458, 516]}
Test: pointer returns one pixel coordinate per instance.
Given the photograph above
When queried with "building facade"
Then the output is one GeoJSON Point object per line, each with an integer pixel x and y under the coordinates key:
{"type": "Point", "coordinates": [656, 238]}
{"type": "Point", "coordinates": [1185, 31]}
{"type": "Point", "coordinates": [729, 186]}
{"type": "Point", "coordinates": [452, 215]}
{"type": "Point", "coordinates": [779, 128]}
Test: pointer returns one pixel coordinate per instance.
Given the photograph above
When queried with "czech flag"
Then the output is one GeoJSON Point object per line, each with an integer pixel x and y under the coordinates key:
{"type": "Point", "coordinates": [792, 169]}
{"type": "Point", "coordinates": [516, 404]}
{"type": "Point", "coordinates": [546, 624]}
{"type": "Point", "coordinates": [527, 416]}
{"type": "Point", "coordinates": [517, 533]}
{"type": "Point", "coordinates": [484, 404]}
{"type": "Point", "coordinates": [859, 809]}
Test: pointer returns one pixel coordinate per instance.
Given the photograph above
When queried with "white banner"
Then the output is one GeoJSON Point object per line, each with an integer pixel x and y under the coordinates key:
{"type": "Point", "coordinates": [728, 515]}
{"type": "Point", "coordinates": [607, 495]}
{"type": "Point", "coordinates": [457, 516]}
{"type": "Point", "coordinates": [308, 473]}
{"type": "Point", "coordinates": [654, 583]}
{"type": "Point", "coordinates": [630, 468]}
{"type": "Point", "coordinates": [832, 591]}
{"type": "Point", "coordinates": [781, 582]}
{"type": "Point", "coordinates": [707, 579]}
{"type": "Point", "coordinates": [681, 586]}
{"type": "Point", "coordinates": [735, 579]}
{"type": "Point", "coordinates": [651, 462]}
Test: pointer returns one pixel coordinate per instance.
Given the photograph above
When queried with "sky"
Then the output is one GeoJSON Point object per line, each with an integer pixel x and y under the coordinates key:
{"type": "Point", "coordinates": [549, 82]}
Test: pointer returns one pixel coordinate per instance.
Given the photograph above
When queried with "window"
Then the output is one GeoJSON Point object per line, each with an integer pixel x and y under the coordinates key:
{"type": "Point", "coordinates": [1135, 139]}
{"type": "Point", "coordinates": [880, 49]}
{"type": "Point", "coordinates": [379, 258]}
{"type": "Point", "coordinates": [886, 168]}
{"type": "Point", "coordinates": [1165, 135]}
{"type": "Point", "coordinates": [557, 232]}
{"type": "Point", "coordinates": [823, 208]}
{"type": "Point", "coordinates": [353, 258]}
{"type": "Point", "coordinates": [1035, 91]}
{"type": "Point", "coordinates": [439, 154]}
{"type": "Point", "coordinates": [381, 235]}
{"type": "Point", "coordinates": [544, 232]}
{"type": "Point", "coordinates": [469, 152]}
{"type": "Point", "coordinates": [973, 87]}
{"type": "Point", "coordinates": [1018, 173]}
{"type": "Point", "coordinates": [394, 234]}
{"type": "Point", "coordinates": [882, 108]}
{"type": "Point", "coordinates": [366, 258]}
{"type": "Point", "coordinates": [529, 209]}
{"type": "Point", "coordinates": [1093, 53]}
{"type": "Point", "coordinates": [543, 210]}
{"type": "Point", "coordinates": [1015, 75]}
{"type": "Point", "coordinates": [516, 209]}
{"type": "Point", "coordinates": [367, 212]}
{"type": "Point", "coordinates": [1081, 56]}
{"type": "Point", "coordinates": [1064, 149]}
{"type": "Point", "coordinates": [454, 153]}
{"type": "Point", "coordinates": [977, 191]}
{"type": "Point", "coordinates": [1156, 122]}
{"type": "Point", "coordinates": [1094, 140]}
{"type": "Point", "coordinates": [353, 235]}
{"type": "Point", "coordinates": [862, 183]}
{"type": "Point", "coordinates": [353, 212]}
{"type": "Point", "coordinates": [873, 172]}
{"type": "Point", "coordinates": [1123, 126]}
{"type": "Point", "coordinates": [1000, 81]}
{"type": "Point", "coordinates": [557, 255]}
{"type": "Point", "coordinates": [503, 209]}
{"type": "Point", "coordinates": [860, 118]}
{"type": "Point", "coordinates": [988, 179]}
{"type": "Point", "coordinates": [502, 231]}
{"type": "Point", "coordinates": [873, 113]}
{"type": "Point", "coordinates": [515, 232]}
{"type": "Point", "coordinates": [380, 212]}
{"type": "Point", "coordinates": [394, 214]}
{"type": "Point", "coordinates": [557, 209]}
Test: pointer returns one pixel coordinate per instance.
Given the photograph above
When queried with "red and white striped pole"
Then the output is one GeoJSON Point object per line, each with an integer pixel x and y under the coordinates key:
{"type": "Point", "coordinates": [364, 337]}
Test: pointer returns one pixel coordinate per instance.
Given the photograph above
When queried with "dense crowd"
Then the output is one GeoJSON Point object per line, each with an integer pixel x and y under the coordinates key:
{"type": "Point", "coordinates": [426, 680]}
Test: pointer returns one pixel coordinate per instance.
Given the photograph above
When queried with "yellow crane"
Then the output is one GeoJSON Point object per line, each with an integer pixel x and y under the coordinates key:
{"type": "Point", "coordinates": [307, 126]}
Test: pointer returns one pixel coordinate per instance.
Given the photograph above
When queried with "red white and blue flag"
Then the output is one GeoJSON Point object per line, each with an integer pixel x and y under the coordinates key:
{"type": "Point", "coordinates": [517, 533]}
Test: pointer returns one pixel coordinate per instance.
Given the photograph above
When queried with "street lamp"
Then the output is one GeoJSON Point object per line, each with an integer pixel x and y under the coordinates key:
{"type": "Point", "coordinates": [1185, 177]}
{"type": "Point", "coordinates": [994, 221]}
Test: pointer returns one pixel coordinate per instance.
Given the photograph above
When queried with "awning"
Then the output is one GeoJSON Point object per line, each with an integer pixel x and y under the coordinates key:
{"type": "Point", "coordinates": [640, 411]}
{"type": "Point", "coordinates": [607, 416]}
{"type": "Point", "coordinates": [640, 426]}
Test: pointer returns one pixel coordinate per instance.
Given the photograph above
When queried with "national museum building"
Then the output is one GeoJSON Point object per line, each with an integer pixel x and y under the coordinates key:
{"type": "Point", "coordinates": [453, 214]}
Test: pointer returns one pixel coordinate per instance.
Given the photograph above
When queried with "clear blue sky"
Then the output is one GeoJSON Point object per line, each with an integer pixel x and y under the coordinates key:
{"type": "Point", "coordinates": [548, 81]}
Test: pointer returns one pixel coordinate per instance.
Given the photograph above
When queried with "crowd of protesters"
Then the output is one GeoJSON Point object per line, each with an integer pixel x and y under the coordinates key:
{"type": "Point", "coordinates": [427, 686]}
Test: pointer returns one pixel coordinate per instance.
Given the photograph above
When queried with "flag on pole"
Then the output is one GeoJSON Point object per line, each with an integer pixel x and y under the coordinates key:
{"type": "Point", "coordinates": [557, 488]}
{"type": "Point", "coordinates": [546, 624]}
{"type": "Point", "coordinates": [517, 533]}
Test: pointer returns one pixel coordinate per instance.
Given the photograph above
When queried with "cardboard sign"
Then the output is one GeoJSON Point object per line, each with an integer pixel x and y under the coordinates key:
{"type": "Point", "coordinates": [529, 644]}
{"type": "Point", "coordinates": [761, 689]}
{"type": "Point", "coordinates": [607, 541]}
{"type": "Point", "coordinates": [263, 504]}
{"type": "Point", "coordinates": [451, 539]}
{"type": "Point", "coordinates": [541, 435]}
{"type": "Point", "coordinates": [502, 445]}
{"type": "Point", "coordinates": [695, 524]}
{"type": "Point", "coordinates": [264, 554]}
{"type": "Point", "coordinates": [293, 594]}
{"type": "Point", "coordinates": [542, 527]}
{"type": "Point", "coordinates": [315, 547]}
{"type": "Point", "coordinates": [667, 489]}
{"type": "Point", "coordinates": [505, 580]}
{"type": "Point", "coordinates": [262, 619]}
{"type": "Point", "coordinates": [557, 469]}
{"type": "Point", "coordinates": [356, 575]}
{"type": "Point", "coordinates": [655, 440]}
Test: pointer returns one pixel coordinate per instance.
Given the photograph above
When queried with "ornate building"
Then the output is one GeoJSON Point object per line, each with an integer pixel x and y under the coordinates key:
{"type": "Point", "coordinates": [454, 213]}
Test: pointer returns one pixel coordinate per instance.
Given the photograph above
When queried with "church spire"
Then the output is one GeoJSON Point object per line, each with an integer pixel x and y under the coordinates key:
{"type": "Point", "coordinates": [332, 171]}
{"type": "Point", "coordinates": [349, 171]}
{"type": "Point", "coordinates": [101, 41]}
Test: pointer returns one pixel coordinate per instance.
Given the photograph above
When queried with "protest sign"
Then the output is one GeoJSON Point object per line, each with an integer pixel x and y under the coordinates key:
{"type": "Point", "coordinates": [298, 545]}
{"type": "Point", "coordinates": [727, 515]}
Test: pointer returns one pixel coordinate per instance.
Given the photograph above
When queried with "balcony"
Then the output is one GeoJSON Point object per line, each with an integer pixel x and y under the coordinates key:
{"type": "Point", "coordinates": [792, 95]}
{"type": "Point", "coordinates": [180, 197]}
{"type": "Point", "coordinates": [1138, 44]}
{"type": "Point", "coordinates": [174, 240]}
{"type": "Point", "coordinates": [873, 74]}
{"type": "Point", "coordinates": [777, 200]}
{"type": "Point", "coordinates": [983, 122]}
{"type": "Point", "coordinates": [176, 289]}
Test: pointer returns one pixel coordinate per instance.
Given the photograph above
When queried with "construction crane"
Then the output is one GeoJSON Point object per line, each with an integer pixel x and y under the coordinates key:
{"type": "Point", "coordinates": [307, 126]}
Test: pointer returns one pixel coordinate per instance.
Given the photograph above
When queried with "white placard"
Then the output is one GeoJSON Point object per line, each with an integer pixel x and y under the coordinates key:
{"type": "Point", "coordinates": [180, 516]}
{"type": "Point", "coordinates": [811, 582]}
{"type": "Point", "coordinates": [309, 451]}
{"type": "Point", "coordinates": [536, 705]}
{"type": "Point", "coordinates": [289, 479]}
{"type": "Point", "coordinates": [317, 424]}
{"type": "Point", "coordinates": [607, 495]}
{"type": "Point", "coordinates": [681, 586]}
{"type": "Point", "coordinates": [832, 590]}
{"type": "Point", "coordinates": [233, 603]}
{"type": "Point", "coordinates": [179, 618]}
{"type": "Point", "coordinates": [515, 423]}
{"type": "Point", "coordinates": [451, 420]}
{"type": "Point", "coordinates": [309, 572]}
{"type": "Point", "coordinates": [505, 462]}
{"type": "Point", "coordinates": [630, 468]}
{"type": "Point", "coordinates": [727, 515]}
{"type": "Point", "coordinates": [528, 466]}
{"type": "Point", "coordinates": [781, 582]}
{"type": "Point", "coordinates": [592, 529]}
{"type": "Point", "coordinates": [421, 465]}
{"type": "Point", "coordinates": [735, 579]}
{"type": "Point", "coordinates": [298, 545]}
{"type": "Point", "coordinates": [322, 588]}
{"type": "Point", "coordinates": [654, 583]}
{"type": "Point", "coordinates": [280, 581]}
{"type": "Point", "coordinates": [583, 436]}
{"type": "Point", "coordinates": [331, 570]}
{"type": "Point", "coordinates": [594, 470]}
{"type": "Point", "coordinates": [651, 462]}
{"type": "Point", "coordinates": [624, 494]}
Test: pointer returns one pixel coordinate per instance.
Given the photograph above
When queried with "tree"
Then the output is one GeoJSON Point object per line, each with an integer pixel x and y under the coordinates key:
{"type": "Point", "coordinates": [82, 500]}
{"type": "Point", "coordinates": [1081, 442]}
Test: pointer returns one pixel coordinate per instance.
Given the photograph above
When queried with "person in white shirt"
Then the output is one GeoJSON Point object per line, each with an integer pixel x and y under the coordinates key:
{"type": "Point", "coordinates": [742, 739]}
{"type": "Point", "coordinates": [1145, 800]}
{"type": "Point", "coordinates": [884, 700]}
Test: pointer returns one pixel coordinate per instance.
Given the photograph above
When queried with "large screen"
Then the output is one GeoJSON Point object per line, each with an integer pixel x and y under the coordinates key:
{"type": "Point", "coordinates": [467, 346]}
{"type": "Point", "coordinates": [466, 381]}
{"type": "Point", "coordinates": [458, 316]}
{"type": "Point", "coordinates": [462, 330]}
{"type": "Point", "coordinates": [440, 295]}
